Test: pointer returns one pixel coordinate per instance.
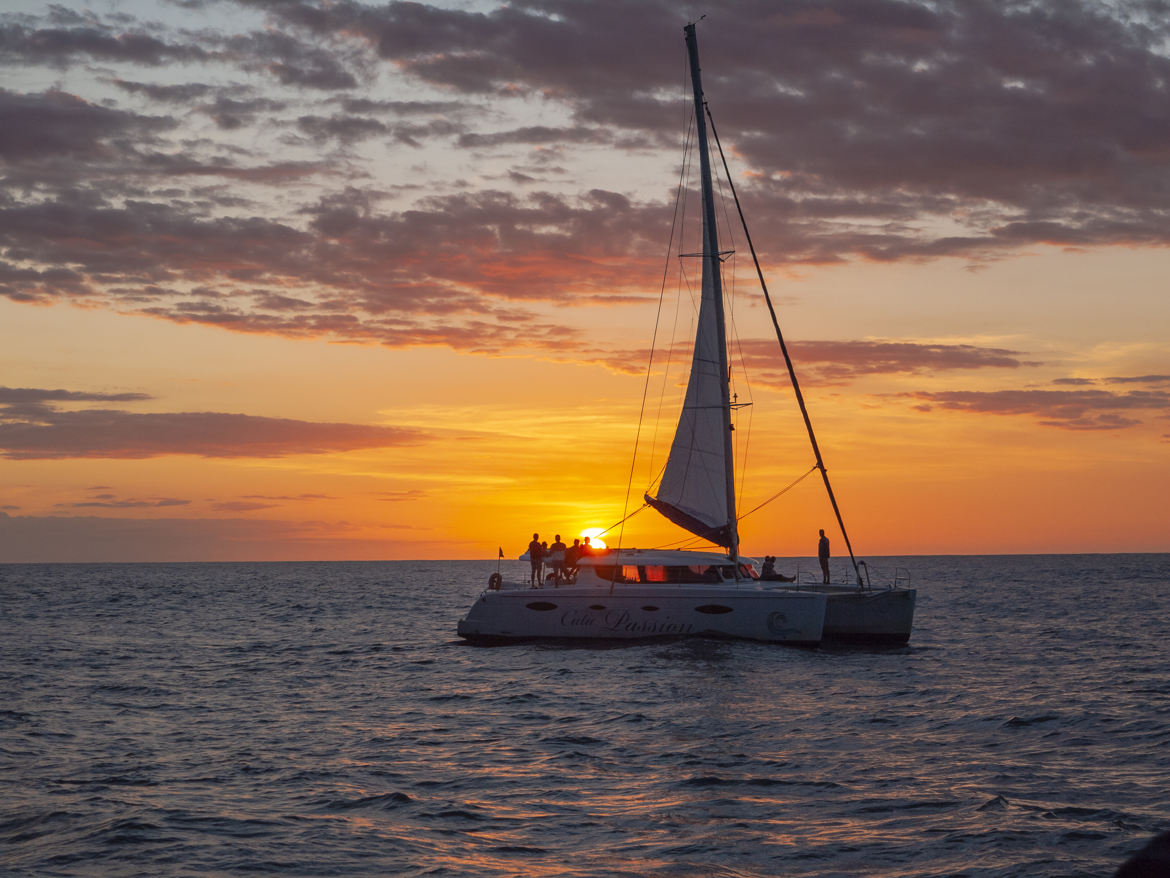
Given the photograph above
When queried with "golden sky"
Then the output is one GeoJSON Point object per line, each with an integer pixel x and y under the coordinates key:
{"type": "Point", "coordinates": [379, 281]}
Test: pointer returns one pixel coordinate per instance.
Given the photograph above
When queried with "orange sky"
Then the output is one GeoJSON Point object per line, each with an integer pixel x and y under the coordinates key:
{"type": "Point", "coordinates": [358, 293]}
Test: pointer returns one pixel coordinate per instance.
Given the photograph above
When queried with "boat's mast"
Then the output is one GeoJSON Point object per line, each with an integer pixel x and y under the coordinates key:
{"type": "Point", "coordinates": [711, 266]}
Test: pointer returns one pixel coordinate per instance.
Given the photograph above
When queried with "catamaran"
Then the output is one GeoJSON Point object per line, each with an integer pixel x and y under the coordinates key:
{"type": "Point", "coordinates": [630, 593]}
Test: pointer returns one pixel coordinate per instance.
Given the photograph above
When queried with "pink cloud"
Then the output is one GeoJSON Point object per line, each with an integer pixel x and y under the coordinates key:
{"type": "Point", "coordinates": [1066, 409]}
{"type": "Point", "coordinates": [837, 362]}
{"type": "Point", "coordinates": [48, 433]}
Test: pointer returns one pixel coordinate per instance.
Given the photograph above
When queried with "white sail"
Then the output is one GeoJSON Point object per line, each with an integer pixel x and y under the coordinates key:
{"type": "Point", "coordinates": [692, 492]}
{"type": "Point", "coordinates": [697, 490]}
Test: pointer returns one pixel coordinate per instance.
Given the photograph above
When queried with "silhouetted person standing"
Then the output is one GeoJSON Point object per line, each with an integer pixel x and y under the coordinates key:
{"type": "Point", "coordinates": [535, 557]}
{"type": "Point", "coordinates": [556, 559]}
{"type": "Point", "coordinates": [823, 556]}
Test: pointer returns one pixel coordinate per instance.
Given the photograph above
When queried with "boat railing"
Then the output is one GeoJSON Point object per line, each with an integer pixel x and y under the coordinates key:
{"type": "Point", "coordinates": [806, 578]}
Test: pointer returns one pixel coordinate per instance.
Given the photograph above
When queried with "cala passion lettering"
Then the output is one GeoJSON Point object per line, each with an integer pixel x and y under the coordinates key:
{"type": "Point", "coordinates": [621, 621]}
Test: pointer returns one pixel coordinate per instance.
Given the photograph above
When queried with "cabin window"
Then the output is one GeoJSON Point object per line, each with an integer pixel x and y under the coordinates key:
{"type": "Point", "coordinates": [682, 573]}
{"type": "Point", "coordinates": [543, 606]}
{"type": "Point", "coordinates": [609, 573]}
{"type": "Point", "coordinates": [713, 609]}
{"type": "Point", "coordinates": [691, 573]}
{"type": "Point", "coordinates": [626, 573]}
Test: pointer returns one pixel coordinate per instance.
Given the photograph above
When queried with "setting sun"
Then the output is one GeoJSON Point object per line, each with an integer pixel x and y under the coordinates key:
{"type": "Point", "coordinates": [594, 534]}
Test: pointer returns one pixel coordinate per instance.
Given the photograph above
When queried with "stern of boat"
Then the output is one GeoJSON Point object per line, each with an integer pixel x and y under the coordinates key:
{"type": "Point", "coordinates": [875, 617]}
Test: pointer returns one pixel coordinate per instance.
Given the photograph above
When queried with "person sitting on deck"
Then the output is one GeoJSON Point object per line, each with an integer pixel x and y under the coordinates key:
{"type": "Point", "coordinates": [572, 554]}
{"type": "Point", "coordinates": [768, 571]}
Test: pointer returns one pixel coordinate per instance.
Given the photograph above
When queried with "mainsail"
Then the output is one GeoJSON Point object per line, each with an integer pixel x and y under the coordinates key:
{"type": "Point", "coordinates": [697, 489]}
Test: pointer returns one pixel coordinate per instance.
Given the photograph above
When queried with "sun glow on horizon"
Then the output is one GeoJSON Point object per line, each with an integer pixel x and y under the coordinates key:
{"type": "Point", "coordinates": [594, 534]}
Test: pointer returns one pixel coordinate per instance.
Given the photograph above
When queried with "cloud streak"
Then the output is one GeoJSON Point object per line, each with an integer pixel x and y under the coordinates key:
{"type": "Point", "coordinates": [31, 429]}
{"type": "Point", "coordinates": [1065, 409]}
{"type": "Point", "coordinates": [840, 362]}
{"type": "Point", "coordinates": [62, 538]}
{"type": "Point", "coordinates": [837, 362]}
{"type": "Point", "coordinates": [109, 501]}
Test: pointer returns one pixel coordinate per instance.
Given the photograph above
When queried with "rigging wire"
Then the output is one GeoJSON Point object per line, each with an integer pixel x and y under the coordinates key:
{"type": "Point", "coordinates": [820, 464]}
{"type": "Point", "coordinates": [694, 540]}
{"type": "Point", "coordinates": [781, 492]}
{"type": "Point", "coordinates": [626, 515]}
{"type": "Point", "coordinates": [680, 222]}
{"type": "Point", "coordinates": [623, 521]}
{"type": "Point", "coordinates": [735, 340]}
{"type": "Point", "coordinates": [747, 441]}
{"type": "Point", "coordinates": [691, 541]}
{"type": "Point", "coordinates": [736, 406]}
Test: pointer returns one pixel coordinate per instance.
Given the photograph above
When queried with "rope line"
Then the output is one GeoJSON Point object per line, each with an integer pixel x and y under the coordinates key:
{"type": "Point", "coordinates": [653, 342]}
{"type": "Point", "coordinates": [781, 492]}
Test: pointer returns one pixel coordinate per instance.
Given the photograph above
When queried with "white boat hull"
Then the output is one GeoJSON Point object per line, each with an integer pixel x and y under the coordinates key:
{"type": "Point", "coordinates": [638, 611]}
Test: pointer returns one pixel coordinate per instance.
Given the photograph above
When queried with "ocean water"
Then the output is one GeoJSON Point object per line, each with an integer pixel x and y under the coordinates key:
{"type": "Point", "coordinates": [324, 719]}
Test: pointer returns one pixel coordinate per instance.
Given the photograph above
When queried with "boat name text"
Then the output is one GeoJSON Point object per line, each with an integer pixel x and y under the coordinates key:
{"type": "Point", "coordinates": [623, 621]}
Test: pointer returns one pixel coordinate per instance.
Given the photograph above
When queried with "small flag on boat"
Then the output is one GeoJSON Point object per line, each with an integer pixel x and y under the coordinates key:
{"type": "Point", "coordinates": [501, 551]}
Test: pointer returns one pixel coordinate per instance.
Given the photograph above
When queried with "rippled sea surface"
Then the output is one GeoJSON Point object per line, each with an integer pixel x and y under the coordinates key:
{"type": "Point", "coordinates": [324, 719]}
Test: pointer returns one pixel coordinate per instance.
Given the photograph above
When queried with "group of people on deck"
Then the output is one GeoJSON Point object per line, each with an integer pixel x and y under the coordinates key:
{"type": "Point", "coordinates": [560, 559]}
